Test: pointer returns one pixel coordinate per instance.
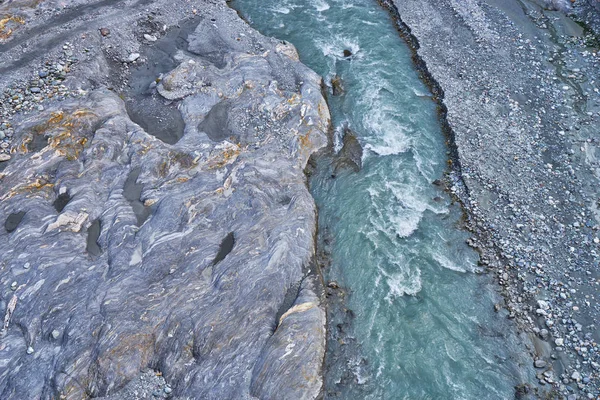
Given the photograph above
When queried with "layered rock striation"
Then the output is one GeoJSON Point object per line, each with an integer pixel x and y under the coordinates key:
{"type": "Point", "coordinates": [186, 254]}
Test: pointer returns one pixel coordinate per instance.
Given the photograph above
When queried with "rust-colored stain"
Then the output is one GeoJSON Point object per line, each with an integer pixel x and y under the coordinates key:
{"type": "Point", "coordinates": [65, 131]}
{"type": "Point", "coordinates": [225, 157]}
{"type": "Point", "coordinates": [304, 140]}
{"type": "Point", "coordinates": [8, 24]}
{"type": "Point", "coordinates": [39, 185]}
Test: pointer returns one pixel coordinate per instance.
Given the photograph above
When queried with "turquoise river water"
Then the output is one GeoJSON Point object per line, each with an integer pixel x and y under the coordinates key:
{"type": "Point", "coordinates": [421, 323]}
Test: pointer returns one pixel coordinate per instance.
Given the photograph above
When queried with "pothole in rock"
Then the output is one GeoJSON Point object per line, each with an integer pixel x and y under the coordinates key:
{"type": "Point", "coordinates": [37, 143]}
{"type": "Point", "coordinates": [225, 248]}
{"type": "Point", "coordinates": [132, 190]}
{"type": "Point", "coordinates": [13, 221]}
{"type": "Point", "coordinates": [61, 201]}
{"type": "Point", "coordinates": [92, 239]}
{"type": "Point", "coordinates": [157, 116]}
{"type": "Point", "coordinates": [214, 123]}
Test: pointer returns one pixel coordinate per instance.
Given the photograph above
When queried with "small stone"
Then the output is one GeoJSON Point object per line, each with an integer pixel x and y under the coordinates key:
{"type": "Point", "coordinates": [150, 38]}
{"type": "Point", "coordinates": [13, 286]}
{"type": "Point", "coordinates": [540, 363]}
{"type": "Point", "coordinates": [168, 390]}
{"type": "Point", "coordinates": [43, 74]}
{"type": "Point", "coordinates": [133, 56]}
{"type": "Point", "coordinates": [576, 376]}
{"type": "Point", "coordinates": [30, 350]}
{"type": "Point", "coordinates": [26, 265]}
{"type": "Point", "coordinates": [34, 90]}
{"type": "Point", "coordinates": [104, 31]}
{"type": "Point", "coordinates": [559, 341]}
{"type": "Point", "coordinates": [333, 285]}
{"type": "Point", "coordinates": [2, 135]}
{"type": "Point", "coordinates": [55, 334]}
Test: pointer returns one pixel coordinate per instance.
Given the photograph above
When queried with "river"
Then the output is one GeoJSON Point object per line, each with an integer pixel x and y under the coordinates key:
{"type": "Point", "coordinates": [413, 318]}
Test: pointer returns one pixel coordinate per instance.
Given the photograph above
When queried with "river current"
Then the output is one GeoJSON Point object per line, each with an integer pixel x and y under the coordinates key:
{"type": "Point", "coordinates": [416, 320]}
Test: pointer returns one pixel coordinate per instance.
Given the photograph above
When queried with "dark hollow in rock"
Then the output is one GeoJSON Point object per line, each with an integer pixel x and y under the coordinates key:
{"type": "Point", "coordinates": [92, 239]}
{"type": "Point", "coordinates": [163, 121]}
{"type": "Point", "coordinates": [288, 301]}
{"type": "Point", "coordinates": [147, 108]}
{"type": "Point", "coordinates": [13, 221]}
{"type": "Point", "coordinates": [61, 201]}
{"type": "Point", "coordinates": [215, 123]}
{"type": "Point", "coordinates": [350, 156]}
{"type": "Point", "coordinates": [225, 247]}
{"type": "Point", "coordinates": [132, 192]}
{"type": "Point", "coordinates": [37, 143]}
{"type": "Point", "coordinates": [337, 86]}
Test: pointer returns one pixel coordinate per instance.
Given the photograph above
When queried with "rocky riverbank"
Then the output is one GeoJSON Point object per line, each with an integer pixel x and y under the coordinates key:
{"type": "Point", "coordinates": [170, 259]}
{"type": "Point", "coordinates": [520, 84]}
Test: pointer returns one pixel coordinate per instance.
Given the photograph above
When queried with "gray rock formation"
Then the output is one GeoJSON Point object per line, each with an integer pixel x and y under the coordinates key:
{"type": "Point", "coordinates": [123, 252]}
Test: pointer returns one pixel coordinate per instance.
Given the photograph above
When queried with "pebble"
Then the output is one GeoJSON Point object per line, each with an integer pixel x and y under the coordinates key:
{"type": "Point", "coordinates": [540, 364]}
{"type": "Point", "coordinates": [30, 350]}
{"type": "Point", "coordinates": [150, 38]}
{"type": "Point", "coordinates": [559, 341]}
{"type": "Point", "coordinates": [168, 390]}
{"type": "Point", "coordinates": [104, 31]}
{"type": "Point", "coordinates": [55, 334]}
{"type": "Point", "coordinates": [4, 157]}
{"type": "Point", "coordinates": [133, 56]}
{"type": "Point", "coordinates": [576, 376]}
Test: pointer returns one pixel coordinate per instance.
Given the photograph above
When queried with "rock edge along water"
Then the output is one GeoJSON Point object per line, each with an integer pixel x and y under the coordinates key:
{"type": "Point", "coordinates": [519, 89]}
{"type": "Point", "coordinates": [82, 325]}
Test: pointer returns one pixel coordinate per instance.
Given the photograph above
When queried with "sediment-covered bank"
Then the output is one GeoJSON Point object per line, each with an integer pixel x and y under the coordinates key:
{"type": "Point", "coordinates": [168, 261]}
{"type": "Point", "coordinates": [520, 82]}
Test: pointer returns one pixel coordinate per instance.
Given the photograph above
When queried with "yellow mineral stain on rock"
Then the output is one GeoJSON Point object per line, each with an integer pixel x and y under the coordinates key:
{"type": "Point", "coordinates": [7, 25]}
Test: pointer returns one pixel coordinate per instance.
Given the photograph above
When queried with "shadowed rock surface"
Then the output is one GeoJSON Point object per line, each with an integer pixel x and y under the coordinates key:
{"type": "Point", "coordinates": [130, 271]}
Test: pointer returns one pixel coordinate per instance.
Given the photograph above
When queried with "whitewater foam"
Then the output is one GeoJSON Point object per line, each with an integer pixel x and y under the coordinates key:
{"type": "Point", "coordinates": [320, 5]}
{"type": "Point", "coordinates": [405, 282]}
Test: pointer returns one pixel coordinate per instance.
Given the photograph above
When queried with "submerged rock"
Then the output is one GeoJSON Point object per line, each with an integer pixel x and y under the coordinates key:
{"type": "Point", "coordinates": [350, 156]}
{"type": "Point", "coordinates": [337, 86]}
{"type": "Point", "coordinates": [191, 291]}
